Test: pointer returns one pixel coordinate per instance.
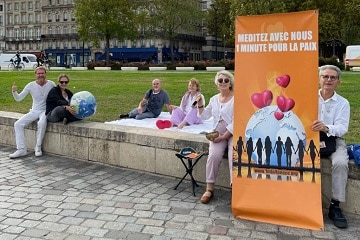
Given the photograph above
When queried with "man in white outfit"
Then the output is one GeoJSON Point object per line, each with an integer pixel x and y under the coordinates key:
{"type": "Point", "coordinates": [38, 90]}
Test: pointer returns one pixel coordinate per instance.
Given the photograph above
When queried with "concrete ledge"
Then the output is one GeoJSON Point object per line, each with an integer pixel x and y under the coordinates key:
{"type": "Point", "coordinates": [57, 68]}
{"type": "Point", "coordinates": [157, 68]}
{"type": "Point", "coordinates": [102, 68]}
{"type": "Point", "coordinates": [147, 149]}
{"type": "Point", "coordinates": [185, 68]}
{"type": "Point", "coordinates": [355, 69]}
{"type": "Point", "coordinates": [129, 68]}
{"type": "Point", "coordinates": [79, 68]}
{"type": "Point", "coordinates": [215, 69]}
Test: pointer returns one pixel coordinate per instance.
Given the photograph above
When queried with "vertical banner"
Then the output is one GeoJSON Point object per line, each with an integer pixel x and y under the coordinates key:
{"type": "Point", "coordinates": [276, 171]}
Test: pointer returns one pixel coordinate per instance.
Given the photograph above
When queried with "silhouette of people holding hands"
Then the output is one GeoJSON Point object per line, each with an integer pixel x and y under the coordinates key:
{"type": "Point", "coordinates": [240, 148]}
{"type": "Point", "coordinates": [268, 149]}
{"type": "Point", "coordinates": [259, 148]}
{"type": "Point", "coordinates": [249, 148]}
{"type": "Point", "coordinates": [288, 146]}
{"type": "Point", "coordinates": [279, 146]}
{"type": "Point", "coordinates": [312, 149]}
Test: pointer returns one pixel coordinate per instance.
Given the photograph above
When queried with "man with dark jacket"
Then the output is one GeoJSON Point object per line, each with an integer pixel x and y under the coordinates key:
{"type": "Point", "coordinates": [58, 102]}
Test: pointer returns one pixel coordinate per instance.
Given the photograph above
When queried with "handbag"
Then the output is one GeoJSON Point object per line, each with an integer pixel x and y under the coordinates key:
{"type": "Point", "coordinates": [327, 145]}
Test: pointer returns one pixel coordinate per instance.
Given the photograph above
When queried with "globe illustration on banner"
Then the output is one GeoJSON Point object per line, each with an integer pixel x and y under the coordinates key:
{"type": "Point", "coordinates": [84, 104]}
{"type": "Point", "coordinates": [263, 123]}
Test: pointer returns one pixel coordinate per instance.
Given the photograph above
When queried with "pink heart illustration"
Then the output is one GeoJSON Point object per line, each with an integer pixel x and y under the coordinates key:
{"type": "Point", "coordinates": [285, 104]}
{"type": "Point", "coordinates": [161, 124]}
{"type": "Point", "coordinates": [283, 81]}
{"type": "Point", "coordinates": [279, 115]}
{"type": "Point", "coordinates": [262, 99]}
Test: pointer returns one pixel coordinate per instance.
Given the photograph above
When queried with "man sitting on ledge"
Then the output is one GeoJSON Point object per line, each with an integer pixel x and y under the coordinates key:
{"type": "Point", "coordinates": [333, 119]}
{"type": "Point", "coordinates": [152, 103]}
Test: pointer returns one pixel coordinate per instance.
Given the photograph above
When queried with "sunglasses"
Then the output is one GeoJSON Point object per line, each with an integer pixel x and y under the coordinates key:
{"type": "Point", "coordinates": [226, 80]}
{"type": "Point", "coordinates": [63, 82]}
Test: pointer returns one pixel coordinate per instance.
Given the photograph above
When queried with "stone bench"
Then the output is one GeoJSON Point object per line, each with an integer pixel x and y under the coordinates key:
{"type": "Point", "coordinates": [102, 68]}
{"type": "Point", "coordinates": [185, 68]}
{"type": "Point", "coordinates": [214, 69]}
{"type": "Point", "coordinates": [129, 68]}
{"type": "Point", "coordinates": [79, 68]}
{"type": "Point", "coordinates": [147, 149]}
{"type": "Point", "coordinates": [157, 68]}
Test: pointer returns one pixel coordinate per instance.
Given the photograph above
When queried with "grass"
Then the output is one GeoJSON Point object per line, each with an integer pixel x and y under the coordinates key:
{"type": "Point", "coordinates": [118, 92]}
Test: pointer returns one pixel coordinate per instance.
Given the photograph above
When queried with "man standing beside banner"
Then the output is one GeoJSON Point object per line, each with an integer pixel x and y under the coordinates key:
{"type": "Point", "coordinates": [333, 119]}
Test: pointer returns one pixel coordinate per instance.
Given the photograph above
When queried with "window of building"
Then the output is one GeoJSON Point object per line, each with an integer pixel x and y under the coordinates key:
{"type": "Point", "coordinates": [73, 17]}
{"type": "Point", "coordinates": [115, 43]}
{"type": "Point", "coordinates": [65, 2]}
{"type": "Point", "coordinates": [49, 17]}
{"type": "Point", "coordinates": [16, 19]}
{"type": "Point", "coordinates": [142, 42]}
{"type": "Point", "coordinates": [1, 8]}
{"type": "Point", "coordinates": [30, 5]}
{"type": "Point", "coordinates": [37, 4]}
{"type": "Point", "coordinates": [65, 44]}
{"type": "Point", "coordinates": [133, 44]}
{"type": "Point", "coordinates": [11, 33]}
{"type": "Point", "coordinates": [10, 19]}
{"type": "Point", "coordinates": [23, 33]}
{"type": "Point", "coordinates": [50, 2]}
{"type": "Point", "coordinates": [31, 46]}
{"type": "Point", "coordinates": [73, 44]}
{"type": "Point", "coordinates": [65, 30]}
{"type": "Point", "coordinates": [1, 20]}
{"type": "Point", "coordinates": [65, 16]}
{"type": "Point", "coordinates": [49, 45]}
{"type": "Point", "coordinates": [16, 6]}
{"type": "Point", "coordinates": [57, 16]}
{"type": "Point", "coordinates": [31, 33]}
{"type": "Point", "coordinates": [38, 33]}
{"type": "Point", "coordinates": [9, 7]}
{"type": "Point", "coordinates": [31, 18]}
{"type": "Point", "coordinates": [37, 17]}
{"type": "Point", "coordinates": [23, 6]}
{"type": "Point", "coordinates": [49, 30]}
{"type": "Point", "coordinates": [1, 32]}
{"type": "Point", "coordinates": [152, 43]}
{"type": "Point", "coordinates": [23, 18]}
{"type": "Point", "coordinates": [57, 2]}
{"type": "Point", "coordinates": [58, 44]}
{"type": "Point", "coordinates": [124, 43]}
{"type": "Point", "coordinates": [73, 29]}
{"type": "Point", "coordinates": [17, 34]}
{"type": "Point", "coordinates": [57, 30]}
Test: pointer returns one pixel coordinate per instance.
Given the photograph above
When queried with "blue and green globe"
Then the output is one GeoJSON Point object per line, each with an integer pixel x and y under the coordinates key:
{"type": "Point", "coordinates": [84, 104]}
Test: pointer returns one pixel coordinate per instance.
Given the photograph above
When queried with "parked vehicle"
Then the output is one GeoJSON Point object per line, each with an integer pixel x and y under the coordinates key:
{"type": "Point", "coordinates": [29, 60]}
{"type": "Point", "coordinates": [352, 56]}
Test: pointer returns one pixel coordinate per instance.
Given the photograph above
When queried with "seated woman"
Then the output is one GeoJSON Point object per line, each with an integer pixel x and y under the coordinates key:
{"type": "Point", "coordinates": [186, 113]}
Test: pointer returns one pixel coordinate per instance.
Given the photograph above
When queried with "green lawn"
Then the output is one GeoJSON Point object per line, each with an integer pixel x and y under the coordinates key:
{"type": "Point", "coordinates": [117, 91]}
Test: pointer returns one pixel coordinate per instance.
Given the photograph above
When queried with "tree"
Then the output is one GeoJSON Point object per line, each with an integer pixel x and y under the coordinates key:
{"type": "Point", "coordinates": [337, 19]}
{"type": "Point", "coordinates": [104, 20]}
{"type": "Point", "coordinates": [170, 18]}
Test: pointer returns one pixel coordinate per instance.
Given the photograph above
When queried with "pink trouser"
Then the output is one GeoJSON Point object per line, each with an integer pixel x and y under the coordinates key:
{"type": "Point", "coordinates": [177, 116]}
{"type": "Point", "coordinates": [216, 154]}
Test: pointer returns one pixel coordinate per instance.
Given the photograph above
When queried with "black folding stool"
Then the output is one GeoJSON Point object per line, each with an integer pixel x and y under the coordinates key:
{"type": "Point", "coordinates": [192, 158]}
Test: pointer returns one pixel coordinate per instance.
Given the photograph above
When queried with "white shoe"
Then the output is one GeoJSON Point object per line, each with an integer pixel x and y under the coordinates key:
{"type": "Point", "coordinates": [18, 153]}
{"type": "Point", "coordinates": [38, 152]}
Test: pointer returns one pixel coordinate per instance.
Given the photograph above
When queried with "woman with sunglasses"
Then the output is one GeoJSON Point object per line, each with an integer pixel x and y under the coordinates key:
{"type": "Point", "coordinates": [221, 108]}
{"type": "Point", "coordinates": [57, 102]}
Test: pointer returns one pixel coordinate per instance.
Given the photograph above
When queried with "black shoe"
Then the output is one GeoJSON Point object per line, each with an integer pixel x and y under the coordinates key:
{"type": "Point", "coordinates": [65, 121]}
{"type": "Point", "coordinates": [336, 215]}
{"type": "Point", "coordinates": [123, 115]}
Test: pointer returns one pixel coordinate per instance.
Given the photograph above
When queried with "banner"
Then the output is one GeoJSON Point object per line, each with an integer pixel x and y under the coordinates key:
{"type": "Point", "coordinates": [276, 167]}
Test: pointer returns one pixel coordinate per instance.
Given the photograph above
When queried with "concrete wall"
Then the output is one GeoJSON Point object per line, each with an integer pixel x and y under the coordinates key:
{"type": "Point", "coordinates": [149, 150]}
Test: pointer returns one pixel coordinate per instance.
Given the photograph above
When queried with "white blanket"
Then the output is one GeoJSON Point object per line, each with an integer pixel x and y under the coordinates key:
{"type": "Point", "coordinates": [151, 123]}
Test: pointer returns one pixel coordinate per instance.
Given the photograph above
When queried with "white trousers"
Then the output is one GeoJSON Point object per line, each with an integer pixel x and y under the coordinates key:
{"type": "Point", "coordinates": [25, 121]}
{"type": "Point", "coordinates": [340, 169]}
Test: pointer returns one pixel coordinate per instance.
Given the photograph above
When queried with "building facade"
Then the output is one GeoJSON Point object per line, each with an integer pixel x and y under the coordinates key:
{"type": "Point", "coordinates": [49, 25]}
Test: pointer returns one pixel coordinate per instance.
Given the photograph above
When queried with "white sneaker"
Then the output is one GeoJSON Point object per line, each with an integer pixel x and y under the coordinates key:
{"type": "Point", "coordinates": [18, 153]}
{"type": "Point", "coordinates": [38, 152]}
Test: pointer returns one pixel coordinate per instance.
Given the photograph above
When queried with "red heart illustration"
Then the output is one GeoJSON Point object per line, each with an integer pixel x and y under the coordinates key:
{"type": "Point", "coordinates": [161, 124]}
{"type": "Point", "coordinates": [283, 81]}
{"type": "Point", "coordinates": [285, 104]}
{"type": "Point", "coordinates": [262, 99]}
{"type": "Point", "coordinates": [279, 115]}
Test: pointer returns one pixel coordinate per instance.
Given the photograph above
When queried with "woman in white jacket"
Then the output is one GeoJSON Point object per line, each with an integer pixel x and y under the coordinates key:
{"type": "Point", "coordinates": [221, 108]}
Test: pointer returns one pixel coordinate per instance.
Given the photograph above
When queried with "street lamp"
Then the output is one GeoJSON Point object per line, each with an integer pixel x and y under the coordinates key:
{"type": "Point", "coordinates": [216, 30]}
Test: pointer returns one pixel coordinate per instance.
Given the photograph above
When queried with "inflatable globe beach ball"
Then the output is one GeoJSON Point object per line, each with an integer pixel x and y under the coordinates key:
{"type": "Point", "coordinates": [84, 104]}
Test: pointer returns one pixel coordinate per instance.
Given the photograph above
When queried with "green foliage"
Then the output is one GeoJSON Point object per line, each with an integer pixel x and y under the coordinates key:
{"type": "Point", "coordinates": [117, 91]}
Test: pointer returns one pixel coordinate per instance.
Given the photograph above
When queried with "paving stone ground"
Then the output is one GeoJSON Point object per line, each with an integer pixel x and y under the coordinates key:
{"type": "Point", "coordinates": [57, 198]}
